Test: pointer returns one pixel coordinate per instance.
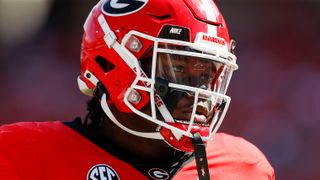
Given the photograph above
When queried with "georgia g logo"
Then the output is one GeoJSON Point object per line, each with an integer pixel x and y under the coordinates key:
{"type": "Point", "coordinates": [159, 174]}
{"type": "Point", "coordinates": [102, 172]}
{"type": "Point", "coordinates": [122, 7]}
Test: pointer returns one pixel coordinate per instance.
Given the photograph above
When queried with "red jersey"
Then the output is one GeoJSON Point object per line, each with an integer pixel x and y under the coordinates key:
{"type": "Point", "coordinates": [54, 150]}
{"type": "Point", "coordinates": [229, 158]}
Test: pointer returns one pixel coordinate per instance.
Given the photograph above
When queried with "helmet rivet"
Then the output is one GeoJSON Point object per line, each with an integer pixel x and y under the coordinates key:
{"type": "Point", "coordinates": [134, 97]}
{"type": "Point", "coordinates": [133, 44]}
{"type": "Point", "coordinates": [233, 46]}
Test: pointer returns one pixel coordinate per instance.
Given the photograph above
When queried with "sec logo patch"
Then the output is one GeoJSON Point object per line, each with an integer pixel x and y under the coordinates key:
{"type": "Point", "coordinates": [122, 7]}
{"type": "Point", "coordinates": [102, 172]}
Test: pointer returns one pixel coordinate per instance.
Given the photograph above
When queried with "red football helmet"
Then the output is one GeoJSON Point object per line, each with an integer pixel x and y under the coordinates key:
{"type": "Point", "coordinates": [173, 56]}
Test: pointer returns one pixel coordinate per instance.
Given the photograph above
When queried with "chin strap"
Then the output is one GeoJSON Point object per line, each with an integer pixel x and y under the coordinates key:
{"type": "Point", "coordinates": [201, 157]}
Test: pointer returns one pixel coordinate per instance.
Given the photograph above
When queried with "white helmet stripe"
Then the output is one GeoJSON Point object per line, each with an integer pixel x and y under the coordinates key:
{"type": "Point", "coordinates": [211, 15]}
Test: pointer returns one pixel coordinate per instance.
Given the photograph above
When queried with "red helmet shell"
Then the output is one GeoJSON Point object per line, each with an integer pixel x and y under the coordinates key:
{"type": "Point", "coordinates": [149, 19]}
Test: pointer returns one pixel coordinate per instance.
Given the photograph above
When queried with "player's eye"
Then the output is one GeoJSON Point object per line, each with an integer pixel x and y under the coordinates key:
{"type": "Point", "coordinates": [178, 68]}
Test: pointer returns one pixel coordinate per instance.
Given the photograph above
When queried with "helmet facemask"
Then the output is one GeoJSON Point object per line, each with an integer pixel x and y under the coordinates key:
{"type": "Point", "coordinates": [186, 83]}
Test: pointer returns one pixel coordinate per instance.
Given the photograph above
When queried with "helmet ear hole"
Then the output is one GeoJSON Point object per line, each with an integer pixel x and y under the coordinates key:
{"type": "Point", "coordinates": [104, 64]}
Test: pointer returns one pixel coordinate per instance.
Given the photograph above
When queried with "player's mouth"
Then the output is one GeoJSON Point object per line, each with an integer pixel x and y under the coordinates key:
{"type": "Point", "coordinates": [201, 117]}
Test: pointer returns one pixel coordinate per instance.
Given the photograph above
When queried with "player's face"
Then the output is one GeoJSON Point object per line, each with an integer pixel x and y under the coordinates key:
{"type": "Point", "coordinates": [190, 71]}
{"type": "Point", "coordinates": [186, 70]}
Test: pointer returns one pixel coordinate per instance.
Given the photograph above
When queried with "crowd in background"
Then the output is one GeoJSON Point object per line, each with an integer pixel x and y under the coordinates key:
{"type": "Point", "coordinates": [275, 93]}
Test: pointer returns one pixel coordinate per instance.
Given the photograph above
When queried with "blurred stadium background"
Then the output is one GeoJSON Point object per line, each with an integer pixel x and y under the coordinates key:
{"type": "Point", "coordinates": [275, 93]}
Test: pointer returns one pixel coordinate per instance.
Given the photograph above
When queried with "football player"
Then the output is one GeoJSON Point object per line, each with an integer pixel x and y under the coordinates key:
{"type": "Point", "coordinates": [158, 72]}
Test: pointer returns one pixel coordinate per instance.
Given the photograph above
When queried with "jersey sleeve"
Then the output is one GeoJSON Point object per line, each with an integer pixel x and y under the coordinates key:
{"type": "Point", "coordinates": [231, 157]}
{"type": "Point", "coordinates": [7, 170]}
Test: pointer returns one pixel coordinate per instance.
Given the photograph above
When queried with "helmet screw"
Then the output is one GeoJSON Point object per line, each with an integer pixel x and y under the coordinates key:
{"type": "Point", "coordinates": [88, 75]}
{"type": "Point", "coordinates": [134, 97]}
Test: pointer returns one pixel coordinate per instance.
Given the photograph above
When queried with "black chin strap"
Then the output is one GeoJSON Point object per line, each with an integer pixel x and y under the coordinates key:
{"type": "Point", "coordinates": [201, 157]}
